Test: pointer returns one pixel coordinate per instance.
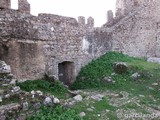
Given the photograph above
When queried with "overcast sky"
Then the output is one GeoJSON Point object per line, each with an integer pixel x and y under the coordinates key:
{"type": "Point", "coordinates": [73, 8]}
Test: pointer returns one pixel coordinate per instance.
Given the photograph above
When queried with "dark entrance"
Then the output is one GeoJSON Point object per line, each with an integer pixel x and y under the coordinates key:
{"type": "Point", "coordinates": [66, 72]}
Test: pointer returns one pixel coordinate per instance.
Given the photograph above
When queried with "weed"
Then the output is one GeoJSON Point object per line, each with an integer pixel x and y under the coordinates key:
{"type": "Point", "coordinates": [56, 88]}
{"type": "Point", "coordinates": [57, 113]}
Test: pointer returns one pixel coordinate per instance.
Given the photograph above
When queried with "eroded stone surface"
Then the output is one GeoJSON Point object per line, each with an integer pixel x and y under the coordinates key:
{"type": "Point", "coordinates": [34, 45]}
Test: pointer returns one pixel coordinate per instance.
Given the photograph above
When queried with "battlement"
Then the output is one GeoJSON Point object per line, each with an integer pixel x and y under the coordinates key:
{"type": "Point", "coordinates": [5, 4]}
{"type": "Point", "coordinates": [90, 22]}
{"type": "Point", "coordinates": [82, 22]}
{"type": "Point", "coordinates": [109, 15]}
{"type": "Point", "coordinates": [23, 6]}
{"type": "Point", "coordinates": [34, 45]}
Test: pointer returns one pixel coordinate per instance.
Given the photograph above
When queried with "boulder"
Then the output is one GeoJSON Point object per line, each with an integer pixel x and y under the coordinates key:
{"type": "Point", "coordinates": [4, 68]}
{"type": "Point", "coordinates": [90, 109]}
{"type": "Point", "coordinates": [78, 98]}
{"type": "Point", "coordinates": [154, 84]}
{"type": "Point", "coordinates": [153, 59]}
{"type": "Point", "coordinates": [39, 93]}
{"type": "Point", "coordinates": [37, 105]}
{"type": "Point", "coordinates": [97, 97]}
{"type": "Point", "coordinates": [135, 76]}
{"type": "Point", "coordinates": [108, 79]}
{"type": "Point", "coordinates": [82, 114]}
{"type": "Point", "coordinates": [25, 106]}
{"type": "Point", "coordinates": [56, 100]}
{"type": "Point", "coordinates": [120, 67]}
{"type": "Point", "coordinates": [15, 89]}
{"type": "Point", "coordinates": [48, 101]}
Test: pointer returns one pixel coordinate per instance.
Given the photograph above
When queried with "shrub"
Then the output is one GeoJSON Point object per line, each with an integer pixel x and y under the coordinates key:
{"type": "Point", "coordinates": [56, 87]}
{"type": "Point", "coordinates": [57, 113]}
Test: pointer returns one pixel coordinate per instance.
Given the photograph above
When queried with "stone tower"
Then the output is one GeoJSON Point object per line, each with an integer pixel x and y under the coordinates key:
{"type": "Point", "coordinates": [125, 6]}
{"type": "Point", "coordinates": [23, 6]}
{"type": "Point", "coordinates": [5, 4]}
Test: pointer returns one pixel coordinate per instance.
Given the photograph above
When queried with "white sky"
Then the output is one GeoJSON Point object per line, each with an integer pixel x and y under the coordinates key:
{"type": "Point", "coordinates": [72, 8]}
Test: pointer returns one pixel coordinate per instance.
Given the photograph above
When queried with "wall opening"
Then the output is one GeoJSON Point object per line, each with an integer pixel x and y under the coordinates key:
{"type": "Point", "coordinates": [14, 4]}
{"type": "Point", "coordinates": [66, 72]}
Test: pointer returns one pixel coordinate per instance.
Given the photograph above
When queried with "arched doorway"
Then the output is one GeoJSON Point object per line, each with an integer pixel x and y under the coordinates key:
{"type": "Point", "coordinates": [66, 72]}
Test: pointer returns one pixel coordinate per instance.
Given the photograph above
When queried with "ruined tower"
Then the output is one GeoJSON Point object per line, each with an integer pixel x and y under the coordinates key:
{"type": "Point", "coordinates": [23, 6]}
{"type": "Point", "coordinates": [5, 4]}
{"type": "Point", "coordinates": [123, 7]}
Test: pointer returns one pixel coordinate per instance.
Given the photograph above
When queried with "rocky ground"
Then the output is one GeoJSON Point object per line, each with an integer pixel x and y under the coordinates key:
{"type": "Point", "coordinates": [134, 99]}
{"type": "Point", "coordinates": [120, 105]}
{"type": "Point", "coordinates": [97, 104]}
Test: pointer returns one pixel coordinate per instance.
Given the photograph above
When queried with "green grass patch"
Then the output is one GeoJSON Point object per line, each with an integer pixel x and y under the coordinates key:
{"type": "Point", "coordinates": [57, 113]}
{"type": "Point", "coordinates": [55, 88]}
{"type": "Point", "coordinates": [99, 109]}
{"type": "Point", "coordinates": [92, 74]}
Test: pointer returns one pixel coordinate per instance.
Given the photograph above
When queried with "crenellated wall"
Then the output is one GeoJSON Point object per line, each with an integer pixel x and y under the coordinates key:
{"type": "Point", "coordinates": [34, 45]}
{"type": "Point", "coordinates": [5, 4]}
{"type": "Point", "coordinates": [137, 32]}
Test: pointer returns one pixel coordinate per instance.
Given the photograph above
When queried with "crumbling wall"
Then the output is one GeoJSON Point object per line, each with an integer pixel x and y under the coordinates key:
{"type": "Point", "coordinates": [136, 33]}
{"type": "Point", "coordinates": [124, 7]}
{"type": "Point", "coordinates": [25, 57]}
{"type": "Point", "coordinates": [34, 46]}
{"type": "Point", "coordinates": [5, 4]}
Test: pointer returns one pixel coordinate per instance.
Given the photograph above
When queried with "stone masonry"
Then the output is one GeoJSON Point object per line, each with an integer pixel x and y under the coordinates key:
{"type": "Point", "coordinates": [24, 6]}
{"type": "Point", "coordinates": [136, 31]}
{"type": "Point", "coordinates": [5, 4]}
{"type": "Point", "coordinates": [34, 46]}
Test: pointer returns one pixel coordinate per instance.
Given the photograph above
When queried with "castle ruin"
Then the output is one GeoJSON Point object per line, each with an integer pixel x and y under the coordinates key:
{"type": "Point", "coordinates": [60, 46]}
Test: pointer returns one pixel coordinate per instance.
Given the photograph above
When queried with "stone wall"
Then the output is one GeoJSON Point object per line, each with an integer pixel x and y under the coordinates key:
{"type": "Point", "coordinates": [23, 6]}
{"type": "Point", "coordinates": [124, 7]}
{"type": "Point", "coordinates": [137, 33]}
{"type": "Point", "coordinates": [34, 46]}
{"type": "Point", "coordinates": [5, 4]}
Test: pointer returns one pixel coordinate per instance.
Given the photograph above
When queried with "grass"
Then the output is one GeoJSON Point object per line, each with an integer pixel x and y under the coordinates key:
{"type": "Point", "coordinates": [90, 77]}
{"type": "Point", "coordinates": [57, 113]}
{"type": "Point", "coordinates": [98, 107]}
{"type": "Point", "coordinates": [55, 88]}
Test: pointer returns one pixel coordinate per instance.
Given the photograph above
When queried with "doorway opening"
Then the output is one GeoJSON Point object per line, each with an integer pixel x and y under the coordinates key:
{"type": "Point", "coordinates": [14, 4]}
{"type": "Point", "coordinates": [66, 72]}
